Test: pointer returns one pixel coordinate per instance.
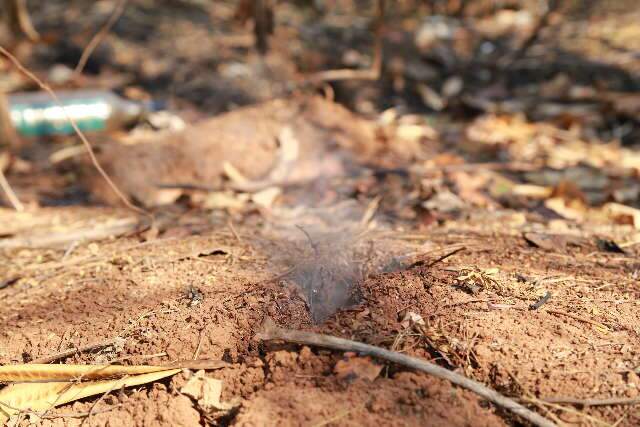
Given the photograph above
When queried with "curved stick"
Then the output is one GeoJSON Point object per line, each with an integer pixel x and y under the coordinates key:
{"type": "Point", "coordinates": [272, 332]}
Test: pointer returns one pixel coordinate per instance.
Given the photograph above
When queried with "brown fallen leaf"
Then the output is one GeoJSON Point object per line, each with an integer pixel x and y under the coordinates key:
{"type": "Point", "coordinates": [42, 396]}
{"type": "Point", "coordinates": [43, 372]}
{"type": "Point", "coordinates": [548, 242]}
{"type": "Point", "coordinates": [354, 368]}
{"type": "Point", "coordinates": [207, 392]}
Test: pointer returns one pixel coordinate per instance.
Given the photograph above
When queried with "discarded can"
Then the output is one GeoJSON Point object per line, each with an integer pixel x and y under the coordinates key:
{"type": "Point", "coordinates": [36, 114]}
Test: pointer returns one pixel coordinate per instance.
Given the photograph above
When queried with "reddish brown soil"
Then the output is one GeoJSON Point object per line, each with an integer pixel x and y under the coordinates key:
{"type": "Point", "coordinates": [141, 292]}
{"type": "Point", "coordinates": [197, 288]}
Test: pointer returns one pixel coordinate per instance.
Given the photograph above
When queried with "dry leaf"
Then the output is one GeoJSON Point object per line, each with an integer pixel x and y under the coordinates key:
{"type": "Point", "coordinates": [206, 391]}
{"type": "Point", "coordinates": [43, 396]}
{"type": "Point", "coordinates": [43, 372]}
{"type": "Point", "coordinates": [354, 368]}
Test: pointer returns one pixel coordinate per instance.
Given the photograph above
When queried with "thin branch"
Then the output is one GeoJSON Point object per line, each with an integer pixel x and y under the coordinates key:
{"type": "Point", "coordinates": [311, 242]}
{"type": "Point", "coordinates": [576, 317]}
{"type": "Point", "coordinates": [594, 402]}
{"type": "Point", "coordinates": [445, 256]}
{"type": "Point", "coordinates": [68, 353]}
{"type": "Point", "coordinates": [272, 332]}
{"type": "Point", "coordinates": [81, 414]}
{"type": "Point", "coordinates": [100, 35]}
{"type": "Point", "coordinates": [11, 195]}
{"type": "Point", "coordinates": [93, 407]}
{"type": "Point", "coordinates": [85, 141]}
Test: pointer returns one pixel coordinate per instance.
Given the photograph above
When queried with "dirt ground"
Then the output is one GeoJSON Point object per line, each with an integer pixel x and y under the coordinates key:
{"type": "Point", "coordinates": [463, 263]}
{"type": "Point", "coordinates": [583, 343]}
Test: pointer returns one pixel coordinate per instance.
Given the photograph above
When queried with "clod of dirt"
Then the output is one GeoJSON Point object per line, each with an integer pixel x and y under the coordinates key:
{"type": "Point", "coordinates": [207, 392]}
{"type": "Point", "coordinates": [353, 368]}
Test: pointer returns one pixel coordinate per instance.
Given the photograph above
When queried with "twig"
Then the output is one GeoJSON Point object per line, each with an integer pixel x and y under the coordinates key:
{"type": "Point", "coordinates": [283, 274]}
{"type": "Point", "coordinates": [576, 317]}
{"type": "Point", "coordinates": [372, 73]}
{"type": "Point", "coordinates": [93, 407]}
{"type": "Point", "coordinates": [99, 36]}
{"type": "Point", "coordinates": [594, 402]}
{"type": "Point", "coordinates": [67, 353]}
{"type": "Point", "coordinates": [85, 141]}
{"type": "Point", "coordinates": [81, 414]}
{"type": "Point", "coordinates": [272, 332]}
{"type": "Point", "coordinates": [8, 282]}
{"type": "Point", "coordinates": [196, 354]}
{"type": "Point", "coordinates": [540, 302]}
{"type": "Point", "coordinates": [537, 402]}
{"type": "Point", "coordinates": [372, 208]}
{"type": "Point", "coordinates": [234, 232]}
{"type": "Point", "coordinates": [311, 242]}
{"type": "Point", "coordinates": [11, 195]}
{"type": "Point", "coordinates": [439, 259]}
{"type": "Point", "coordinates": [440, 309]}
{"type": "Point", "coordinates": [445, 256]}
{"type": "Point", "coordinates": [333, 419]}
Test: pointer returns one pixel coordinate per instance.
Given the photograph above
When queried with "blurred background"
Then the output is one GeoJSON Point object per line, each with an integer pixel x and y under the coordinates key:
{"type": "Point", "coordinates": [474, 72]}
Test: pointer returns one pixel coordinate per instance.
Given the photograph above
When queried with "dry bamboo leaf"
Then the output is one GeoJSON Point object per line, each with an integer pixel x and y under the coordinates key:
{"type": "Point", "coordinates": [44, 372]}
{"type": "Point", "coordinates": [46, 395]}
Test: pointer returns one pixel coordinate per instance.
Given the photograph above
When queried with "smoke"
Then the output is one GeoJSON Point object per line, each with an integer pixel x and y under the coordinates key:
{"type": "Point", "coordinates": [319, 227]}
{"type": "Point", "coordinates": [323, 247]}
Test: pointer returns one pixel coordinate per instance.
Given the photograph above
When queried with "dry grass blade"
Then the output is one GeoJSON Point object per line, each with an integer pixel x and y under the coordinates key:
{"type": "Point", "coordinates": [43, 396]}
{"type": "Point", "coordinates": [43, 372]}
{"type": "Point", "coordinates": [83, 138]}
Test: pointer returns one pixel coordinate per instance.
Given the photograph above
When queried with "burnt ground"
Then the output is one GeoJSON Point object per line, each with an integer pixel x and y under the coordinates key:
{"type": "Point", "coordinates": [205, 280]}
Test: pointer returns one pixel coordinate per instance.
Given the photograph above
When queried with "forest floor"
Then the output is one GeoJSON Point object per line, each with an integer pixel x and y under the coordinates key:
{"type": "Point", "coordinates": [500, 242]}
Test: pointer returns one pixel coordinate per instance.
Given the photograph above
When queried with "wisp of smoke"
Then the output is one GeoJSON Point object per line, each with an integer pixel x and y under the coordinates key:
{"type": "Point", "coordinates": [321, 249]}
